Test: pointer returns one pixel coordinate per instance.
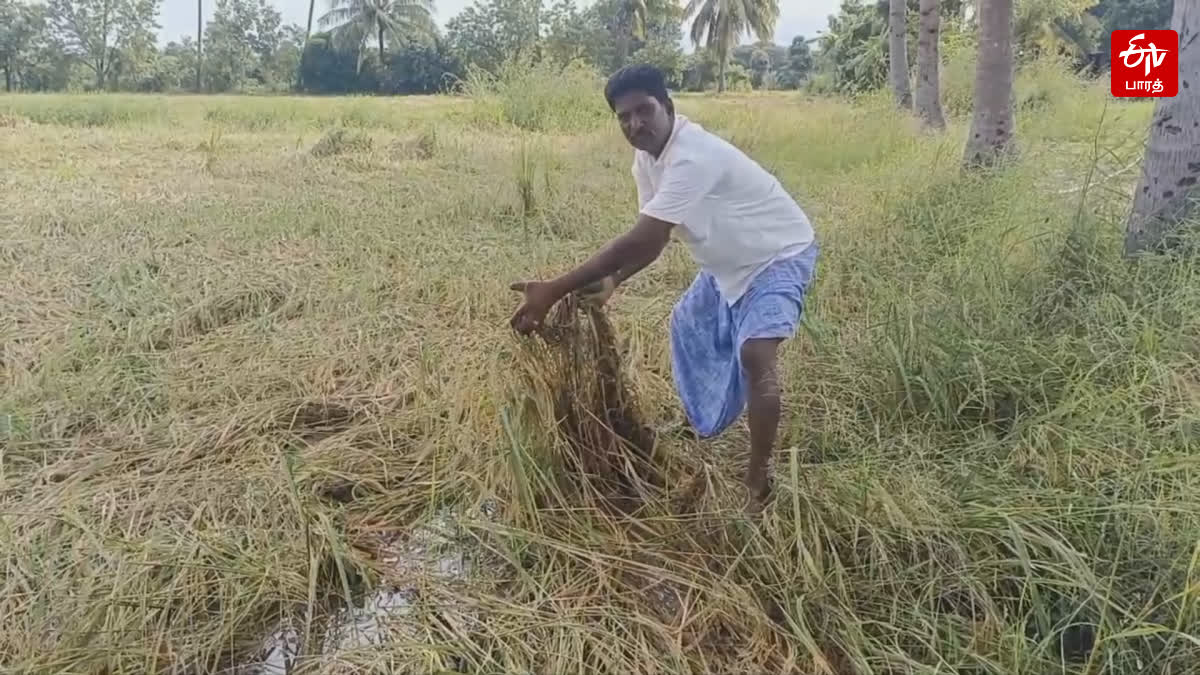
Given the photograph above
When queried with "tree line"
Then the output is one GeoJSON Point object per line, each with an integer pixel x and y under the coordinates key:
{"type": "Point", "coordinates": [382, 46]}
{"type": "Point", "coordinates": [395, 47]}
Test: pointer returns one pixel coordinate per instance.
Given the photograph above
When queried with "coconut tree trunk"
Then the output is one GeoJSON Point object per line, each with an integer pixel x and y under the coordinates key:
{"type": "Point", "coordinates": [381, 45]}
{"type": "Point", "coordinates": [1171, 166]}
{"type": "Point", "coordinates": [199, 41]}
{"type": "Point", "coordinates": [102, 62]}
{"type": "Point", "coordinates": [624, 36]}
{"type": "Point", "coordinates": [623, 48]}
{"type": "Point", "coordinates": [304, 47]}
{"type": "Point", "coordinates": [992, 122]}
{"type": "Point", "coordinates": [929, 96]}
{"type": "Point", "coordinates": [898, 53]}
{"type": "Point", "coordinates": [721, 71]}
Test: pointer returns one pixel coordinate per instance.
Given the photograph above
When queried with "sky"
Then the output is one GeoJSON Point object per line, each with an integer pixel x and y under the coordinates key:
{"type": "Point", "coordinates": [178, 17]}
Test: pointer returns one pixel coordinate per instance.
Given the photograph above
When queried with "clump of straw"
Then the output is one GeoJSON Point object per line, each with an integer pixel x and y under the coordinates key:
{"type": "Point", "coordinates": [609, 446]}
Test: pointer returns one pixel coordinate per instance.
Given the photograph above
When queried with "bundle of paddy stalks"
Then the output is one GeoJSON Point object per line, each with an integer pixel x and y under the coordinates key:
{"type": "Point", "coordinates": [608, 447]}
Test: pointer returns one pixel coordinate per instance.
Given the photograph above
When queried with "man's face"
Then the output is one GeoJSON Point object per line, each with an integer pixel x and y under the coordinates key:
{"type": "Point", "coordinates": [644, 120]}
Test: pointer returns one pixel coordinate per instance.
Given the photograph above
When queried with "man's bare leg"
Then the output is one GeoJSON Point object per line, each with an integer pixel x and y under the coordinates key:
{"type": "Point", "coordinates": [759, 359]}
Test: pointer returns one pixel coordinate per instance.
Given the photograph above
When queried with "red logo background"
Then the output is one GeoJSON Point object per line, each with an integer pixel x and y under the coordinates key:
{"type": "Point", "coordinates": [1132, 80]}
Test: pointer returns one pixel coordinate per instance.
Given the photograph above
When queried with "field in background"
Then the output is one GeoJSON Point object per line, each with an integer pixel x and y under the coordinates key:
{"type": "Point", "coordinates": [254, 346]}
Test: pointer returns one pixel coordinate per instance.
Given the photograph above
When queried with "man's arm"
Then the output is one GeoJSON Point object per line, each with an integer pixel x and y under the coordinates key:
{"type": "Point", "coordinates": [642, 183]}
{"type": "Point", "coordinates": [621, 258]}
{"type": "Point", "coordinates": [631, 251]}
{"type": "Point", "coordinates": [627, 271]}
{"type": "Point", "coordinates": [684, 185]}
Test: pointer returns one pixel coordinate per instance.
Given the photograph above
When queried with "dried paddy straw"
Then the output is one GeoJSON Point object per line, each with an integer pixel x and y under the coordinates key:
{"type": "Point", "coordinates": [608, 446]}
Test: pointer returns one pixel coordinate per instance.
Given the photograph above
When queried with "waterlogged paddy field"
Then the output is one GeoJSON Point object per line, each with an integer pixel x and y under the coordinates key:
{"type": "Point", "coordinates": [261, 403]}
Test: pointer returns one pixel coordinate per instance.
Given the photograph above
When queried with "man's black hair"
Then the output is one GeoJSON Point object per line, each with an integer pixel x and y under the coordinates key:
{"type": "Point", "coordinates": [638, 77]}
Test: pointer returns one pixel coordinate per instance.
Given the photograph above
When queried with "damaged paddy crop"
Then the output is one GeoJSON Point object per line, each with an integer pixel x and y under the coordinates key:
{"type": "Point", "coordinates": [262, 409]}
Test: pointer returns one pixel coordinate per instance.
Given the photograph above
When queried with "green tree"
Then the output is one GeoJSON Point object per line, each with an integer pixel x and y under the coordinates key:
{"type": "Point", "coordinates": [200, 42]}
{"type": "Point", "coordinates": [137, 49]}
{"type": "Point", "coordinates": [411, 67]}
{"type": "Point", "coordinates": [247, 43]}
{"type": "Point", "coordinates": [229, 36]}
{"type": "Point", "coordinates": [328, 68]}
{"type": "Point", "coordinates": [281, 63]}
{"type": "Point", "coordinates": [1132, 14]}
{"type": "Point", "coordinates": [1055, 27]}
{"type": "Point", "coordinates": [661, 47]}
{"type": "Point", "coordinates": [175, 68]}
{"type": "Point", "coordinates": [762, 60]}
{"type": "Point", "coordinates": [490, 33]}
{"type": "Point", "coordinates": [701, 70]}
{"type": "Point", "coordinates": [656, 42]}
{"type": "Point", "coordinates": [854, 50]}
{"type": "Point", "coordinates": [91, 31]}
{"type": "Point", "coordinates": [798, 65]}
{"type": "Point", "coordinates": [376, 19]}
{"type": "Point", "coordinates": [22, 27]}
{"type": "Point", "coordinates": [1126, 15]}
{"type": "Point", "coordinates": [572, 34]}
{"type": "Point", "coordinates": [420, 68]}
{"type": "Point", "coordinates": [721, 23]}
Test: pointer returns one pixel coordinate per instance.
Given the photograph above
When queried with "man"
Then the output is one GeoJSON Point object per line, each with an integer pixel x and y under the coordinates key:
{"type": "Point", "coordinates": [755, 247]}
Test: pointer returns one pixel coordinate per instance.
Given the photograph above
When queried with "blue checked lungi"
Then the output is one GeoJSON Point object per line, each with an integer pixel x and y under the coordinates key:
{"type": "Point", "coordinates": [707, 336]}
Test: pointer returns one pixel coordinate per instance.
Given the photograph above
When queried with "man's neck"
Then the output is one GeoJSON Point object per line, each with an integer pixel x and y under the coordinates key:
{"type": "Point", "coordinates": [657, 153]}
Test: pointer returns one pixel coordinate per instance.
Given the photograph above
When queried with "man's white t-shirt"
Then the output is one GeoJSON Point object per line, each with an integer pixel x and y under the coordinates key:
{"type": "Point", "coordinates": [734, 216]}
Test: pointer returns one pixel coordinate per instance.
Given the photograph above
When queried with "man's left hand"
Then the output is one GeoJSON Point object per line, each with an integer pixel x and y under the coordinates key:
{"type": "Point", "coordinates": [597, 293]}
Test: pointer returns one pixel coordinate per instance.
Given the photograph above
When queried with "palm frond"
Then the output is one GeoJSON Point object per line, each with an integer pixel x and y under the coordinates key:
{"type": "Point", "coordinates": [411, 14]}
{"type": "Point", "coordinates": [637, 10]}
{"type": "Point", "coordinates": [760, 17]}
{"type": "Point", "coordinates": [412, 17]}
{"type": "Point", "coordinates": [719, 24]}
{"type": "Point", "coordinates": [337, 16]}
{"type": "Point", "coordinates": [705, 11]}
{"type": "Point", "coordinates": [404, 5]}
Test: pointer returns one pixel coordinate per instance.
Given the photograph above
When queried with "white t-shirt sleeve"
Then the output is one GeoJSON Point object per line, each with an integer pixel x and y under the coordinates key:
{"type": "Point", "coordinates": [686, 181]}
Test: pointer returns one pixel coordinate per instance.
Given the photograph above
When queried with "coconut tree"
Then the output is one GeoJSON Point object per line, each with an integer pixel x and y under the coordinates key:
{"type": "Point", "coordinates": [721, 23]}
{"type": "Point", "coordinates": [375, 18]}
{"type": "Point", "coordinates": [898, 52]}
{"type": "Point", "coordinates": [929, 96]}
{"type": "Point", "coordinates": [312, 6]}
{"type": "Point", "coordinates": [631, 23]}
{"type": "Point", "coordinates": [199, 40]}
{"type": "Point", "coordinates": [992, 119]}
{"type": "Point", "coordinates": [1171, 166]}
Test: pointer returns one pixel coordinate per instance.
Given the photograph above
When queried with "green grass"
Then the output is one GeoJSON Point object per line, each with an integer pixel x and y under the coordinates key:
{"type": "Point", "coordinates": [234, 369]}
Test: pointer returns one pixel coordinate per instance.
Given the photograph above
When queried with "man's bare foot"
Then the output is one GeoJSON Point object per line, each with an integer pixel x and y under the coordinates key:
{"type": "Point", "coordinates": [758, 495]}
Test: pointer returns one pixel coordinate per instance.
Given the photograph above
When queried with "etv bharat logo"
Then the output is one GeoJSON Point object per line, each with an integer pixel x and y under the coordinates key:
{"type": "Point", "coordinates": [1145, 63]}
